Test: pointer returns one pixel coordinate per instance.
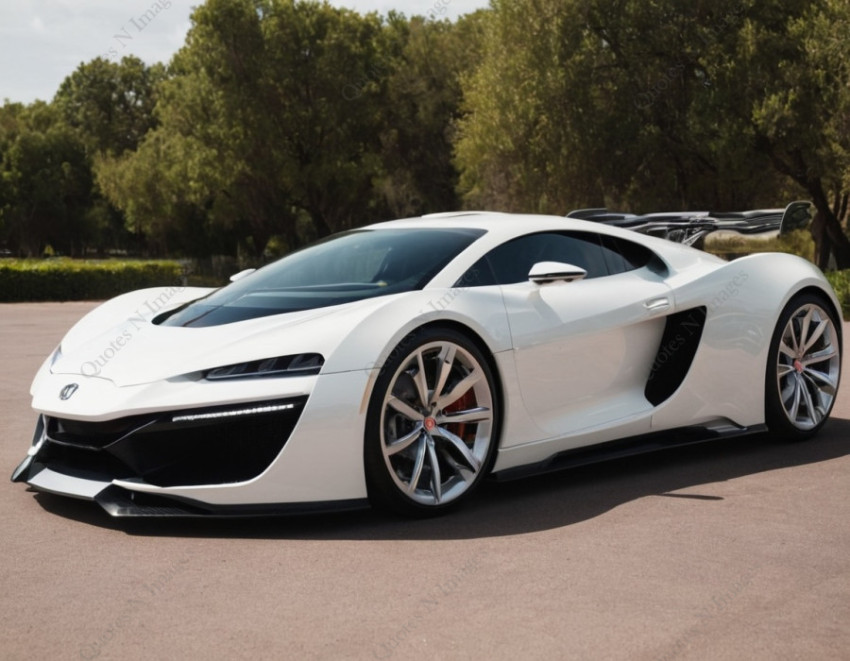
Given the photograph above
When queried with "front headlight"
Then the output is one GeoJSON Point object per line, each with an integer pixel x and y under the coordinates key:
{"type": "Point", "coordinates": [303, 364]}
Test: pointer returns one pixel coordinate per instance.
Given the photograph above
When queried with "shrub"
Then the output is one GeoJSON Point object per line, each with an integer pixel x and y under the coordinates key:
{"type": "Point", "coordinates": [840, 281]}
{"type": "Point", "coordinates": [796, 242]}
{"type": "Point", "coordinates": [77, 280]}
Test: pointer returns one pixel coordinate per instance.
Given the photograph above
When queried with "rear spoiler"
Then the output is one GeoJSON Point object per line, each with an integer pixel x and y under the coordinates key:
{"type": "Point", "coordinates": [691, 227]}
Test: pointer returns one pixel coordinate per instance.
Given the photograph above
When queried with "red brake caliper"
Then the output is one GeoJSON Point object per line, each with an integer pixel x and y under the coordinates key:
{"type": "Point", "coordinates": [463, 430]}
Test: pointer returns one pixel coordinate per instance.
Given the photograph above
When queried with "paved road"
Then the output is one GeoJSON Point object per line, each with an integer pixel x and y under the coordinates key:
{"type": "Point", "coordinates": [738, 550]}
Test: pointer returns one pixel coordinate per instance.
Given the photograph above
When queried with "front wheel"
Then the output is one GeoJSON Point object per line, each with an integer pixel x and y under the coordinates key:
{"type": "Point", "coordinates": [432, 424]}
{"type": "Point", "coordinates": [804, 367]}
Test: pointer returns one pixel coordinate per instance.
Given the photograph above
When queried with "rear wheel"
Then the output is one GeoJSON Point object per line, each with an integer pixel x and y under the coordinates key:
{"type": "Point", "coordinates": [803, 369]}
{"type": "Point", "coordinates": [432, 424]}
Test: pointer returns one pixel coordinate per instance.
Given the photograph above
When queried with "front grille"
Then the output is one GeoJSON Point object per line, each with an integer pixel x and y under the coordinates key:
{"type": "Point", "coordinates": [210, 445]}
{"type": "Point", "coordinates": [94, 435]}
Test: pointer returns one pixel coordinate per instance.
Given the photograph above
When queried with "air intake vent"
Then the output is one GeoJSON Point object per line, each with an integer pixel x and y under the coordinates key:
{"type": "Point", "coordinates": [673, 359]}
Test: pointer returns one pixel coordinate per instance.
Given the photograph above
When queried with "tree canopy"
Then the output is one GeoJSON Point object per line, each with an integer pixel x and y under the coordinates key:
{"type": "Point", "coordinates": [280, 121]}
{"type": "Point", "coordinates": [659, 105]}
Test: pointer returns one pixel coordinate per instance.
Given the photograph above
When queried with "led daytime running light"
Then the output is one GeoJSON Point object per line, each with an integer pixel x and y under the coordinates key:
{"type": "Point", "coordinates": [214, 415]}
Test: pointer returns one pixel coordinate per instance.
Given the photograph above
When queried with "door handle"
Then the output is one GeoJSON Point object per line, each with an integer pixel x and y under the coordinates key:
{"type": "Point", "coordinates": [657, 304]}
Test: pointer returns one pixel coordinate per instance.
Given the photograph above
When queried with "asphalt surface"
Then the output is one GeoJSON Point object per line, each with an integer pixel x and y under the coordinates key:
{"type": "Point", "coordinates": [735, 550]}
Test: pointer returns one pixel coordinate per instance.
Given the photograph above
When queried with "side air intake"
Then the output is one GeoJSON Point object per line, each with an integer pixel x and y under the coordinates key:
{"type": "Point", "coordinates": [679, 344]}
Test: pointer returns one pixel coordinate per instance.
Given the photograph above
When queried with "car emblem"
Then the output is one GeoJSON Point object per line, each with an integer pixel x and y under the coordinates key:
{"type": "Point", "coordinates": [68, 390]}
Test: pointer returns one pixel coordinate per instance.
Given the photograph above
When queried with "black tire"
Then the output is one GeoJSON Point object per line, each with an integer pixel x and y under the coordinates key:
{"type": "Point", "coordinates": [803, 368]}
{"type": "Point", "coordinates": [423, 458]}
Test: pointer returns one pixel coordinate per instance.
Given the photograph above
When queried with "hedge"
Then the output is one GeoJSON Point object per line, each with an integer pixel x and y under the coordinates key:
{"type": "Point", "coordinates": [79, 280]}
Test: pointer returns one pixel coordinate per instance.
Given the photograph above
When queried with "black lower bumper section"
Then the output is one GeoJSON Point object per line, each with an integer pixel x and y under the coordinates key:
{"type": "Point", "coordinates": [209, 445]}
{"type": "Point", "coordinates": [120, 502]}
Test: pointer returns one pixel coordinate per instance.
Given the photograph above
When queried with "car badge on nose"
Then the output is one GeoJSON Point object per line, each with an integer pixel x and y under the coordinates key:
{"type": "Point", "coordinates": [67, 391]}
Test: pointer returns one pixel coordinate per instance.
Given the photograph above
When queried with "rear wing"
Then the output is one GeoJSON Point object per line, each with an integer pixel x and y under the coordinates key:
{"type": "Point", "coordinates": [691, 227]}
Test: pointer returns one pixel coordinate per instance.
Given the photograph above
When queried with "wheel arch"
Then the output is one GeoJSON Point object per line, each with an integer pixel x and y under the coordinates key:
{"type": "Point", "coordinates": [384, 493]}
{"type": "Point", "coordinates": [807, 289]}
{"type": "Point", "coordinates": [836, 309]}
{"type": "Point", "coordinates": [825, 295]}
{"type": "Point", "coordinates": [473, 337]}
{"type": "Point", "coordinates": [482, 346]}
{"type": "Point", "coordinates": [776, 415]}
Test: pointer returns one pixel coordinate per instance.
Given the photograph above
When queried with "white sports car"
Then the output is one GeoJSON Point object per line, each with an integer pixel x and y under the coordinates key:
{"type": "Point", "coordinates": [401, 363]}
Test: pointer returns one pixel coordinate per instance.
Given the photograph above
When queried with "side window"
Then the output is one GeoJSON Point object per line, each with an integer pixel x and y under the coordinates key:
{"type": "Point", "coordinates": [622, 255]}
{"type": "Point", "coordinates": [511, 262]}
{"type": "Point", "coordinates": [478, 275]}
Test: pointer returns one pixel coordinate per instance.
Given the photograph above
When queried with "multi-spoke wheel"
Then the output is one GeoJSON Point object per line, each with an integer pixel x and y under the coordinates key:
{"type": "Point", "coordinates": [803, 369]}
{"type": "Point", "coordinates": [432, 423]}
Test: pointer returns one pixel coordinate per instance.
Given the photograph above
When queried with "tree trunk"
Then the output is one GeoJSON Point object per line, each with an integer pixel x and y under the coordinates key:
{"type": "Point", "coordinates": [841, 212]}
{"type": "Point", "coordinates": [320, 222]}
{"type": "Point", "coordinates": [826, 231]}
{"type": "Point", "coordinates": [829, 237]}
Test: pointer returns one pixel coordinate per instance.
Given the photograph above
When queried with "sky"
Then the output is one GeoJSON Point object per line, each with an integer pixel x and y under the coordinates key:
{"type": "Point", "coordinates": [43, 41]}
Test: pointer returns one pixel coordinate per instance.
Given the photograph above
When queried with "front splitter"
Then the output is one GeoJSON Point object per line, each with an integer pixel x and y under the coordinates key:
{"type": "Point", "coordinates": [120, 502]}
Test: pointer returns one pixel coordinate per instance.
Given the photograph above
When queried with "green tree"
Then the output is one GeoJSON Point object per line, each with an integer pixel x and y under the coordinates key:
{"type": "Point", "coordinates": [110, 107]}
{"type": "Point", "coordinates": [110, 103]}
{"type": "Point", "coordinates": [792, 79]}
{"type": "Point", "coordinates": [255, 127]}
{"type": "Point", "coordinates": [599, 102]}
{"type": "Point", "coordinates": [659, 104]}
{"type": "Point", "coordinates": [427, 61]}
{"type": "Point", "coordinates": [45, 182]}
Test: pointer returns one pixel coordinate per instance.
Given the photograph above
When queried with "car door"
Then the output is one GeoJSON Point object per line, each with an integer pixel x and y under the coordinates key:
{"type": "Point", "coordinates": [583, 350]}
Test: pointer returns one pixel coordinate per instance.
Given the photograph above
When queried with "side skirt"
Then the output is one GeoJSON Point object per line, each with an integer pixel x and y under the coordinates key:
{"type": "Point", "coordinates": [644, 444]}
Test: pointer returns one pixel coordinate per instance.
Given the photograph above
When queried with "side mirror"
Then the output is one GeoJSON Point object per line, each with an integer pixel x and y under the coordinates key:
{"type": "Point", "coordinates": [238, 276]}
{"type": "Point", "coordinates": [545, 272]}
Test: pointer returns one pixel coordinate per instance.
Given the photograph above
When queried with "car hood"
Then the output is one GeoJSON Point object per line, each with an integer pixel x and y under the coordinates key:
{"type": "Point", "coordinates": [118, 341]}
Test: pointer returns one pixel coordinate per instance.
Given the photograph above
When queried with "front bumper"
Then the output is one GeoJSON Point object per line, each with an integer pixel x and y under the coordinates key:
{"type": "Point", "coordinates": [286, 455]}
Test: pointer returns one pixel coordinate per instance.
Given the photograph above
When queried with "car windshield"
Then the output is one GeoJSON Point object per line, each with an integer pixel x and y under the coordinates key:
{"type": "Point", "coordinates": [340, 269]}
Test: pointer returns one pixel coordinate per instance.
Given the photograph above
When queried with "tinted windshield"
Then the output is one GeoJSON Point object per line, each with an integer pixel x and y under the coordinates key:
{"type": "Point", "coordinates": [343, 268]}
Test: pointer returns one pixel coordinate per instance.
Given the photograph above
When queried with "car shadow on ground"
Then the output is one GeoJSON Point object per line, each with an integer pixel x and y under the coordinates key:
{"type": "Point", "coordinates": [529, 505]}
